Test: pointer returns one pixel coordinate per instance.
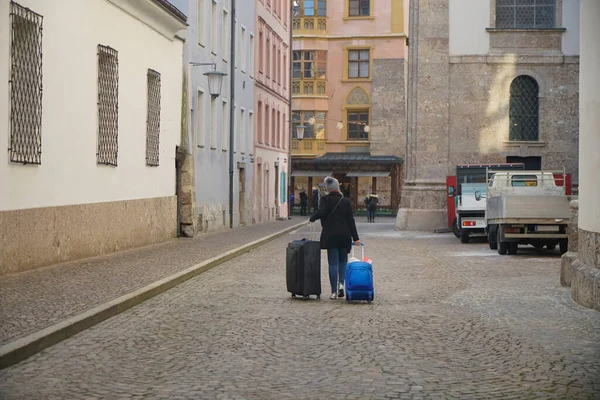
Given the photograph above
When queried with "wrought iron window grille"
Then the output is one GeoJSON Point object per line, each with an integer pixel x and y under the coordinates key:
{"type": "Point", "coordinates": [524, 109]}
{"type": "Point", "coordinates": [108, 106]}
{"type": "Point", "coordinates": [153, 119]}
{"type": "Point", "coordinates": [25, 84]}
{"type": "Point", "coordinates": [525, 14]}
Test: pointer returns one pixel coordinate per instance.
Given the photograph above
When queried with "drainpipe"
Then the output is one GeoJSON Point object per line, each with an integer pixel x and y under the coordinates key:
{"type": "Point", "coordinates": [232, 112]}
{"type": "Point", "coordinates": [291, 71]}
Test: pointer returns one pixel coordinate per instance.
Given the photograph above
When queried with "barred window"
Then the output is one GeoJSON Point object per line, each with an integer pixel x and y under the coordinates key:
{"type": "Point", "coordinates": [525, 13]}
{"type": "Point", "coordinates": [357, 121]}
{"type": "Point", "coordinates": [25, 85]}
{"type": "Point", "coordinates": [108, 106]}
{"type": "Point", "coordinates": [153, 118]}
{"type": "Point", "coordinates": [524, 109]}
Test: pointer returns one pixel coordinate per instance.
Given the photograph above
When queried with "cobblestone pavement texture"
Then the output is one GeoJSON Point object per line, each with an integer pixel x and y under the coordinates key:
{"type": "Point", "coordinates": [34, 300]}
{"type": "Point", "coordinates": [449, 321]}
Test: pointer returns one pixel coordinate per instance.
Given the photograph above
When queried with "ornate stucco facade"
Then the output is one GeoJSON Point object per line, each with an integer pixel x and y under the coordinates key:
{"type": "Point", "coordinates": [464, 60]}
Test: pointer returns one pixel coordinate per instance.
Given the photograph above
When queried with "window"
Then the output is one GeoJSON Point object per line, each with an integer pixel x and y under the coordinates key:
{"type": "Point", "coordinates": [357, 120]}
{"type": "Point", "coordinates": [108, 106]}
{"type": "Point", "coordinates": [244, 50]}
{"type": "Point", "coordinates": [316, 131]}
{"type": "Point", "coordinates": [279, 67]}
{"type": "Point", "coordinates": [285, 131]}
{"type": "Point", "coordinates": [25, 86]}
{"type": "Point", "coordinates": [242, 131]}
{"type": "Point", "coordinates": [153, 118]}
{"type": "Point", "coordinates": [225, 33]}
{"type": "Point", "coordinates": [260, 122]}
{"type": "Point", "coordinates": [200, 111]}
{"type": "Point", "coordinates": [201, 22]}
{"type": "Point", "coordinates": [525, 13]}
{"type": "Point", "coordinates": [524, 109]}
{"type": "Point", "coordinates": [310, 65]}
{"type": "Point", "coordinates": [268, 72]}
{"type": "Point", "coordinates": [214, 23]}
{"type": "Point", "coordinates": [285, 68]}
{"type": "Point", "coordinates": [224, 126]}
{"type": "Point", "coordinates": [251, 52]}
{"type": "Point", "coordinates": [523, 180]}
{"type": "Point", "coordinates": [213, 123]}
{"type": "Point", "coordinates": [267, 125]}
{"type": "Point", "coordinates": [261, 52]}
{"type": "Point", "coordinates": [360, 8]}
{"type": "Point", "coordinates": [274, 68]}
{"type": "Point", "coordinates": [358, 63]}
{"type": "Point", "coordinates": [250, 129]}
{"type": "Point", "coordinates": [311, 8]}
{"type": "Point", "coordinates": [279, 133]}
{"type": "Point", "coordinates": [275, 131]}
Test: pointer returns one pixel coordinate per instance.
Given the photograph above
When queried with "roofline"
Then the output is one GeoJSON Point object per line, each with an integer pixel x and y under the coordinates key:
{"type": "Point", "coordinates": [171, 9]}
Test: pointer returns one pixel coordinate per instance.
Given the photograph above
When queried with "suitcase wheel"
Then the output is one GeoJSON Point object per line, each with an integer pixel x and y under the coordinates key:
{"type": "Point", "coordinates": [318, 297]}
{"type": "Point", "coordinates": [306, 297]}
{"type": "Point", "coordinates": [293, 296]}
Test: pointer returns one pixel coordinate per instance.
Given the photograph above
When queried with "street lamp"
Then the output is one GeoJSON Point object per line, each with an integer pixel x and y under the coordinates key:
{"type": "Point", "coordinates": [300, 132]}
{"type": "Point", "coordinates": [215, 78]}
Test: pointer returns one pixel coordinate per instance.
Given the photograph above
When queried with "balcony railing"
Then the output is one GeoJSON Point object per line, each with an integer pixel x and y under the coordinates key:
{"type": "Point", "coordinates": [308, 147]}
{"type": "Point", "coordinates": [309, 87]}
{"type": "Point", "coordinates": [309, 24]}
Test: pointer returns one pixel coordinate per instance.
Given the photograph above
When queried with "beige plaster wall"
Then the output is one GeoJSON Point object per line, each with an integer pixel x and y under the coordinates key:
{"type": "Point", "coordinates": [37, 237]}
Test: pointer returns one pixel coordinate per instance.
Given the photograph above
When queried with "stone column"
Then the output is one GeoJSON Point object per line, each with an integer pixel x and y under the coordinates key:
{"type": "Point", "coordinates": [585, 280]}
{"type": "Point", "coordinates": [423, 200]}
{"type": "Point", "coordinates": [570, 256]}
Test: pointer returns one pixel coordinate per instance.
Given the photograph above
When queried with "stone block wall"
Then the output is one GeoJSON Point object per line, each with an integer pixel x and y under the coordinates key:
{"type": "Point", "coordinates": [388, 108]}
{"type": "Point", "coordinates": [568, 258]}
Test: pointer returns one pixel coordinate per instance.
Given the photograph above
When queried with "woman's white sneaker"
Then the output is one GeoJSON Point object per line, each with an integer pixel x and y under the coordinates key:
{"type": "Point", "coordinates": [333, 296]}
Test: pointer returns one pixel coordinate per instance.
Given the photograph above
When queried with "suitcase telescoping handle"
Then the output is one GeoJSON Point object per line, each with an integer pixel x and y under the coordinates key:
{"type": "Point", "coordinates": [362, 250]}
{"type": "Point", "coordinates": [312, 231]}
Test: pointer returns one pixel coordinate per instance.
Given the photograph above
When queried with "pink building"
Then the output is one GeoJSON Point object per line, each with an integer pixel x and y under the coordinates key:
{"type": "Point", "coordinates": [348, 90]}
{"type": "Point", "coordinates": [272, 105]}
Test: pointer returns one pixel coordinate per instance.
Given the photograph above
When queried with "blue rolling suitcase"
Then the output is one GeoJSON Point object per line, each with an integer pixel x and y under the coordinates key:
{"type": "Point", "coordinates": [359, 279]}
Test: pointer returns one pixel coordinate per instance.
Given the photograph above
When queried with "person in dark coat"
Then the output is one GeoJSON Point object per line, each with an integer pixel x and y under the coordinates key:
{"type": "Point", "coordinates": [373, 200]}
{"type": "Point", "coordinates": [303, 202]}
{"type": "Point", "coordinates": [339, 231]}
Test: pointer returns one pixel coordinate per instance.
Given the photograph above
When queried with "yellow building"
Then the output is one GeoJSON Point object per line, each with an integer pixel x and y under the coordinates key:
{"type": "Point", "coordinates": [348, 94]}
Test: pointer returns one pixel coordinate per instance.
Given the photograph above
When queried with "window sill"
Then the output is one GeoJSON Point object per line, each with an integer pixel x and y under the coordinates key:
{"type": "Point", "coordinates": [516, 143]}
{"type": "Point", "coordinates": [213, 52]}
{"type": "Point", "coordinates": [491, 30]}
{"type": "Point", "coordinates": [352, 80]}
{"type": "Point", "coordinates": [366, 17]}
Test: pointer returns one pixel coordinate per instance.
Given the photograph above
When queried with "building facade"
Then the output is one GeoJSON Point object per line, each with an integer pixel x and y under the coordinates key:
{"type": "Point", "coordinates": [348, 91]}
{"type": "Point", "coordinates": [207, 164]}
{"type": "Point", "coordinates": [272, 105]}
{"type": "Point", "coordinates": [92, 123]}
{"type": "Point", "coordinates": [489, 81]}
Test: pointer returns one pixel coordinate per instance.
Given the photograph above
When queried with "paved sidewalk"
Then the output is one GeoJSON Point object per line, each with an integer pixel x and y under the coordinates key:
{"type": "Point", "coordinates": [33, 300]}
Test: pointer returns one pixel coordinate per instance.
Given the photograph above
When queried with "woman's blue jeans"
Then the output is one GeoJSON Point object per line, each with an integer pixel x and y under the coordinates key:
{"type": "Point", "coordinates": [337, 259]}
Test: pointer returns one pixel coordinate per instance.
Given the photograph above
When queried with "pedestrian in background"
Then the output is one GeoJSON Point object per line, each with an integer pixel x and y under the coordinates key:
{"type": "Point", "coordinates": [339, 230]}
{"type": "Point", "coordinates": [303, 202]}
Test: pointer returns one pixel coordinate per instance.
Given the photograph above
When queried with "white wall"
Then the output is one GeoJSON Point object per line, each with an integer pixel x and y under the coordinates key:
{"type": "Point", "coordinates": [589, 117]}
{"type": "Point", "coordinates": [69, 173]}
{"type": "Point", "coordinates": [468, 21]}
{"type": "Point", "coordinates": [570, 21]}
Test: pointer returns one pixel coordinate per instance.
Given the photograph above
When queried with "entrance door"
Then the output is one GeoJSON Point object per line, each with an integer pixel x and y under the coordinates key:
{"type": "Point", "coordinates": [242, 196]}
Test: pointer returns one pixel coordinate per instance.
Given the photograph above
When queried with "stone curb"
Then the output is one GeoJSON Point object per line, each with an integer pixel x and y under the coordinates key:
{"type": "Point", "coordinates": [23, 348]}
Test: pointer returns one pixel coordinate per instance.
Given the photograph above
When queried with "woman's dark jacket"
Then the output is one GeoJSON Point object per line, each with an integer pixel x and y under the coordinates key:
{"type": "Point", "coordinates": [339, 227]}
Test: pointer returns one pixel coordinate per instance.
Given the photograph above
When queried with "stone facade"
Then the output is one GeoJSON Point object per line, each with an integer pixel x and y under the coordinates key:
{"type": "Point", "coordinates": [458, 104]}
{"type": "Point", "coordinates": [570, 256]}
{"type": "Point", "coordinates": [67, 233]}
{"type": "Point", "coordinates": [388, 109]}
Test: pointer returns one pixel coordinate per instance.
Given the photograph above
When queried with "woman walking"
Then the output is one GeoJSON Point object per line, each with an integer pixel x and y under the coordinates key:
{"type": "Point", "coordinates": [339, 230]}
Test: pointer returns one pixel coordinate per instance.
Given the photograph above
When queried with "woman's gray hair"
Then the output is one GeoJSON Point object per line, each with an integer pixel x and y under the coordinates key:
{"type": "Point", "coordinates": [331, 184]}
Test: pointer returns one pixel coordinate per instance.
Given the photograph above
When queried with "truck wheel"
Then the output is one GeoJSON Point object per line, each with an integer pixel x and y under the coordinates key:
{"type": "Point", "coordinates": [513, 248]}
{"type": "Point", "coordinates": [502, 246]}
{"type": "Point", "coordinates": [464, 236]}
{"type": "Point", "coordinates": [455, 228]}
{"type": "Point", "coordinates": [551, 246]}
{"type": "Point", "coordinates": [492, 240]}
{"type": "Point", "coordinates": [563, 246]}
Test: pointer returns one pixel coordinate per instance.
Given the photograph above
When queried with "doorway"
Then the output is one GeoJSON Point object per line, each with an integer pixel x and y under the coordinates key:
{"type": "Point", "coordinates": [531, 163]}
{"type": "Point", "coordinates": [276, 191]}
{"type": "Point", "coordinates": [242, 196]}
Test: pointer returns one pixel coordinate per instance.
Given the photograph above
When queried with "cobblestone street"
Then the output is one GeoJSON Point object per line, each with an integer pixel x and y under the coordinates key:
{"type": "Point", "coordinates": [449, 321]}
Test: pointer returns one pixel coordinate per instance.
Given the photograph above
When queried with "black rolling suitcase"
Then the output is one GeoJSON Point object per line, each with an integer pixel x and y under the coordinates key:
{"type": "Point", "coordinates": [303, 267]}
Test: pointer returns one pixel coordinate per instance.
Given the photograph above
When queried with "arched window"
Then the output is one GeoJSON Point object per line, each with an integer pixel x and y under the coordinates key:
{"type": "Point", "coordinates": [358, 110]}
{"type": "Point", "coordinates": [524, 109]}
